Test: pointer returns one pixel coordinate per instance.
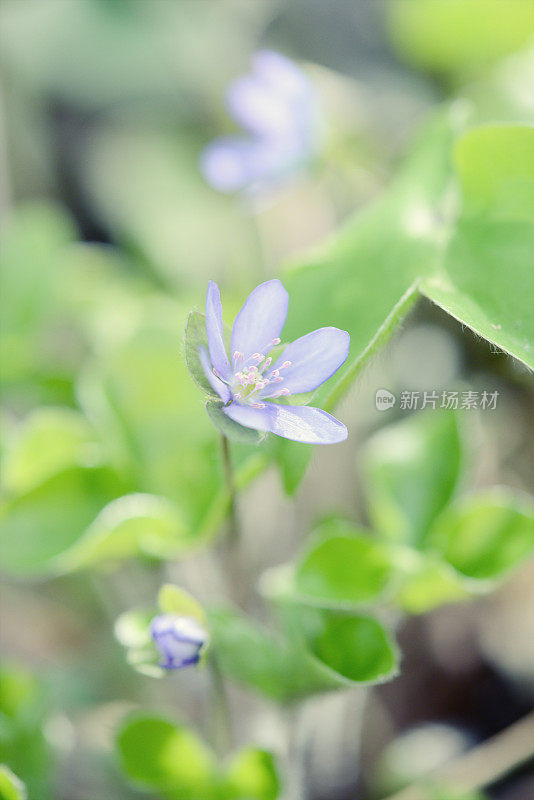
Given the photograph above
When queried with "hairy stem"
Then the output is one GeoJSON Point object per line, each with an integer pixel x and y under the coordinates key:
{"type": "Point", "coordinates": [231, 489]}
{"type": "Point", "coordinates": [377, 342]}
{"type": "Point", "coordinates": [222, 733]}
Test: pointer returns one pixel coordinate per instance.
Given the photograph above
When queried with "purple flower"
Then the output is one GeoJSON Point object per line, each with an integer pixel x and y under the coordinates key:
{"type": "Point", "coordinates": [250, 380]}
{"type": "Point", "coordinates": [179, 640]}
{"type": "Point", "coordinates": [276, 106]}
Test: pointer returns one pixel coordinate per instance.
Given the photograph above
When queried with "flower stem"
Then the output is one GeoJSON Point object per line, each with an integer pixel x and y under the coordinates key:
{"type": "Point", "coordinates": [231, 489]}
{"type": "Point", "coordinates": [222, 734]}
{"type": "Point", "coordinates": [380, 338]}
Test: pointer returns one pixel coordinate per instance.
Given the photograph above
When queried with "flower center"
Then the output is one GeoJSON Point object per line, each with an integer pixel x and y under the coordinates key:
{"type": "Point", "coordinates": [253, 377]}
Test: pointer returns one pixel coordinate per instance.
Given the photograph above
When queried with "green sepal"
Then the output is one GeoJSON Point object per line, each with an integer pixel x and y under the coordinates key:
{"type": "Point", "coordinates": [174, 600]}
{"type": "Point", "coordinates": [195, 338]}
{"type": "Point", "coordinates": [232, 430]}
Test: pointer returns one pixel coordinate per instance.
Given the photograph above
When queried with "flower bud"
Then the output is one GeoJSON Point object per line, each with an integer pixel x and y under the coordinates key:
{"type": "Point", "coordinates": [178, 639]}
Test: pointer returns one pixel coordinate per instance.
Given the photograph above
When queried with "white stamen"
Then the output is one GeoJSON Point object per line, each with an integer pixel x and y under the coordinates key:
{"type": "Point", "coordinates": [285, 365]}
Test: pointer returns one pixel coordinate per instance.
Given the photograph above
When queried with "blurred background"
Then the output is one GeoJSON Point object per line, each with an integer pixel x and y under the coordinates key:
{"type": "Point", "coordinates": [109, 236]}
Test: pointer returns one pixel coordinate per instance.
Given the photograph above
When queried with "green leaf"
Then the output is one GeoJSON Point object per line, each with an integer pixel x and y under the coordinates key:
{"type": "Point", "coordinates": [299, 659]}
{"type": "Point", "coordinates": [33, 236]}
{"type": "Point", "coordinates": [136, 524]}
{"type": "Point", "coordinates": [412, 470]}
{"type": "Point", "coordinates": [159, 756]}
{"type": "Point", "coordinates": [174, 600]}
{"type": "Point", "coordinates": [478, 268]}
{"type": "Point", "coordinates": [49, 441]}
{"type": "Point", "coordinates": [195, 339]}
{"type": "Point", "coordinates": [507, 189]}
{"type": "Point", "coordinates": [23, 705]}
{"type": "Point", "coordinates": [364, 280]}
{"type": "Point", "coordinates": [232, 430]}
{"type": "Point", "coordinates": [428, 584]}
{"type": "Point", "coordinates": [487, 535]}
{"type": "Point", "coordinates": [354, 649]}
{"type": "Point", "coordinates": [41, 524]}
{"type": "Point", "coordinates": [11, 788]}
{"type": "Point", "coordinates": [487, 281]}
{"type": "Point", "coordinates": [458, 35]}
{"type": "Point", "coordinates": [276, 665]}
{"type": "Point", "coordinates": [252, 776]}
{"type": "Point", "coordinates": [38, 357]}
{"type": "Point", "coordinates": [344, 566]}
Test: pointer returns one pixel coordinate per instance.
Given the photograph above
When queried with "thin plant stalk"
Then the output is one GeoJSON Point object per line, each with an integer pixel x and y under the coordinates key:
{"type": "Point", "coordinates": [231, 489]}
{"type": "Point", "coordinates": [221, 718]}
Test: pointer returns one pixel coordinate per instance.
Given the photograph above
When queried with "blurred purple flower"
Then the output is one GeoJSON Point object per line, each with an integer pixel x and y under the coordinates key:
{"type": "Point", "coordinates": [178, 639]}
{"type": "Point", "coordinates": [276, 105]}
{"type": "Point", "coordinates": [250, 379]}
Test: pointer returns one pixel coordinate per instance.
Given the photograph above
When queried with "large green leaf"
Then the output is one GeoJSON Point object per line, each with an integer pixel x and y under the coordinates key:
{"type": "Point", "coordinates": [487, 281]}
{"type": "Point", "coordinates": [49, 440]}
{"type": "Point", "coordinates": [302, 658]}
{"type": "Point", "coordinates": [451, 36]}
{"type": "Point", "coordinates": [11, 788]}
{"type": "Point", "coordinates": [160, 756]}
{"type": "Point", "coordinates": [268, 662]}
{"type": "Point", "coordinates": [22, 743]}
{"type": "Point", "coordinates": [507, 189]}
{"type": "Point", "coordinates": [364, 280]}
{"type": "Point", "coordinates": [428, 582]}
{"type": "Point", "coordinates": [135, 524]}
{"type": "Point", "coordinates": [342, 567]}
{"type": "Point", "coordinates": [485, 536]}
{"type": "Point", "coordinates": [478, 268]}
{"type": "Point", "coordinates": [412, 469]}
{"type": "Point", "coordinates": [352, 648]}
{"type": "Point", "coordinates": [251, 775]}
{"type": "Point", "coordinates": [356, 280]}
{"type": "Point", "coordinates": [33, 237]}
{"type": "Point", "coordinates": [41, 524]}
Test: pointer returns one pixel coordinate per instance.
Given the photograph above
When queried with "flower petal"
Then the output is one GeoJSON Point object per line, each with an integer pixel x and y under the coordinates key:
{"type": "Point", "coordinates": [216, 384]}
{"type": "Point", "coordinates": [225, 164]}
{"type": "Point", "coordinates": [281, 73]}
{"type": "Point", "coordinates": [261, 319]}
{"type": "Point", "coordinates": [258, 108]}
{"type": "Point", "coordinates": [214, 330]}
{"type": "Point", "coordinates": [271, 101]}
{"type": "Point", "coordinates": [230, 164]}
{"type": "Point", "coordinates": [314, 358]}
{"type": "Point", "coordinates": [300, 423]}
